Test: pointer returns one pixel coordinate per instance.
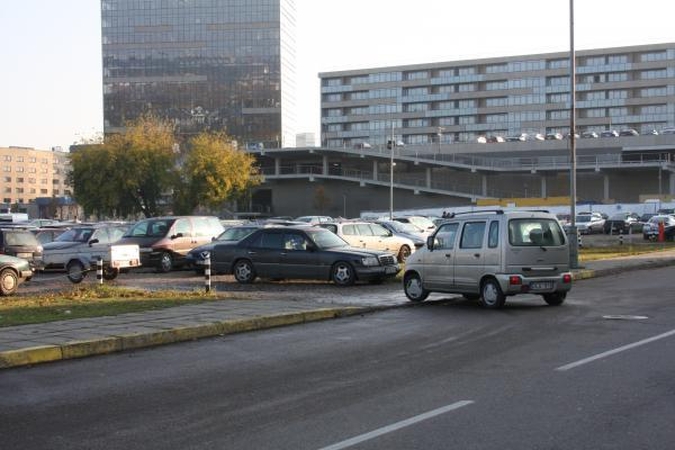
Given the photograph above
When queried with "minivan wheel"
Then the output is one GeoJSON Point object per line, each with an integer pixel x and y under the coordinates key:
{"type": "Point", "coordinates": [342, 274]}
{"type": "Point", "coordinates": [75, 271]}
{"type": "Point", "coordinates": [9, 282]}
{"type": "Point", "coordinates": [165, 262]}
{"type": "Point", "coordinates": [491, 294]}
{"type": "Point", "coordinates": [403, 253]}
{"type": "Point", "coordinates": [412, 286]}
{"type": "Point", "coordinates": [244, 272]}
{"type": "Point", "coordinates": [555, 299]}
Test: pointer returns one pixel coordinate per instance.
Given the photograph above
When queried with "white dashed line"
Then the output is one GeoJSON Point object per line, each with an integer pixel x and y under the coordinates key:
{"type": "Point", "coordinates": [615, 351]}
{"type": "Point", "coordinates": [397, 426]}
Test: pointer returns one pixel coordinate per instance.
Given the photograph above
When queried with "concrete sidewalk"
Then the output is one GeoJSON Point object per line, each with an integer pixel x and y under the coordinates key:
{"type": "Point", "coordinates": [32, 344]}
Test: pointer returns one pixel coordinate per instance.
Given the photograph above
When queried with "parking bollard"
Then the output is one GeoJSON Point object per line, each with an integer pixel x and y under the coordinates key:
{"type": "Point", "coordinates": [99, 270]}
{"type": "Point", "coordinates": [207, 271]}
{"type": "Point", "coordinates": [620, 237]}
{"type": "Point", "coordinates": [579, 241]}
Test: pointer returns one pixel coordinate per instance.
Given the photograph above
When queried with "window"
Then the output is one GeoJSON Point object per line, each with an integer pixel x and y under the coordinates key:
{"type": "Point", "coordinates": [269, 240]}
{"type": "Point", "coordinates": [182, 226]}
{"type": "Point", "coordinates": [295, 241]}
{"type": "Point", "coordinates": [445, 236]}
{"type": "Point", "coordinates": [493, 234]}
{"type": "Point", "coordinates": [418, 75]}
{"type": "Point", "coordinates": [535, 232]}
{"type": "Point", "coordinates": [472, 235]}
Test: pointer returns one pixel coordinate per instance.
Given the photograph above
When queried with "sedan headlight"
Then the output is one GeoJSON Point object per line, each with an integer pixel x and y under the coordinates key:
{"type": "Point", "coordinates": [369, 261]}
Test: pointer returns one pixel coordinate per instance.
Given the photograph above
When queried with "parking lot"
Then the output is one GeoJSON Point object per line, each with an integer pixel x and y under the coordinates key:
{"type": "Point", "coordinates": [188, 280]}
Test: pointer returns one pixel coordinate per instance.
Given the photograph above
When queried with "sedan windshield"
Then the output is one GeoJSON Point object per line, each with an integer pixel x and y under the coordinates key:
{"type": "Point", "coordinates": [76, 235]}
{"type": "Point", "coordinates": [326, 239]}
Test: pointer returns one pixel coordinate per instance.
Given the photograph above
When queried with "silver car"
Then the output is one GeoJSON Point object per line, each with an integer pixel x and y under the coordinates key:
{"type": "Point", "coordinates": [491, 255]}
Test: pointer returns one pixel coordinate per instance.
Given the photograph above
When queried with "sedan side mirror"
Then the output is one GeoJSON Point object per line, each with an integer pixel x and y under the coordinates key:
{"type": "Point", "coordinates": [93, 241]}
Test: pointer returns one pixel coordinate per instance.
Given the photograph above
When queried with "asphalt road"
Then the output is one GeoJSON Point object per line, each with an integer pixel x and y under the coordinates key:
{"type": "Point", "coordinates": [447, 374]}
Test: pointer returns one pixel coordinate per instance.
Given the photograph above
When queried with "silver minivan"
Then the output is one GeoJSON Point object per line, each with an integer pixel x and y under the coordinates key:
{"type": "Point", "coordinates": [490, 255]}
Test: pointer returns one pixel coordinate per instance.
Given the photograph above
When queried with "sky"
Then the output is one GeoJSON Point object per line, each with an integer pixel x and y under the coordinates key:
{"type": "Point", "coordinates": [50, 50]}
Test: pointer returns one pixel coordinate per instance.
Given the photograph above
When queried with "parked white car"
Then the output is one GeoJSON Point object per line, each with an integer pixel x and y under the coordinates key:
{"type": "Point", "coordinates": [77, 250]}
{"type": "Point", "coordinates": [589, 223]}
{"type": "Point", "coordinates": [372, 236]}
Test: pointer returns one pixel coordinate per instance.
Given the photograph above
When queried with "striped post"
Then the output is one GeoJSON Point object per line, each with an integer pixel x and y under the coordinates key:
{"type": "Point", "coordinates": [620, 237]}
{"type": "Point", "coordinates": [99, 270]}
{"type": "Point", "coordinates": [579, 242]}
{"type": "Point", "coordinates": [207, 271]}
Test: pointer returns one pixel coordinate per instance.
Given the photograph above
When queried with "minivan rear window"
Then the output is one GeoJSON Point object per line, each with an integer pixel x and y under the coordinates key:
{"type": "Point", "coordinates": [535, 232]}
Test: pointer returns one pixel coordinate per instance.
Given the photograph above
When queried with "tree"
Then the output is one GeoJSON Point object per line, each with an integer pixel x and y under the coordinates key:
{"type": "Point", "coordinates": [212, 172]}
{"type": "Point", "coordinates": [129, 173]}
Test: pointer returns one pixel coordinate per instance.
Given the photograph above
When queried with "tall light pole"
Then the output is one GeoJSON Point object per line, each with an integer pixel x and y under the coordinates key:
{"type": "Point", "coordinates": [392, 144]}
{"type": "Point", "coordinates": [572, 233]}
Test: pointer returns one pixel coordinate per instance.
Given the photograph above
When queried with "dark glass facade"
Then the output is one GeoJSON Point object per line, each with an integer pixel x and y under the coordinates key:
{"type": "Point", "coordinates": [204, 64]}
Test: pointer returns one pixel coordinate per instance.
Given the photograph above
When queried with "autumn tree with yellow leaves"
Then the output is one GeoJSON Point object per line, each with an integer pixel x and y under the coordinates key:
{"type": "Point", "coordinates": [141, 171]}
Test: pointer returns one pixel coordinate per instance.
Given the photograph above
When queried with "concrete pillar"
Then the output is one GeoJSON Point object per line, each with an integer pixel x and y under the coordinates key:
{"type": "Point", "coordinates": [277, 166]}
{"type": "Point", "coordinates": [324, 168]}
{"type": "Point", "coordinates": [374, 170]}
{"type": "Point", "coordinates": [544, 193]}
{"type": "Point", "coordinates": [605, 180]}
{"type": "Point", "coordinates": [484, 188]}
{"type": "Point", "coordinates": [671, 184]}
{"type": "Point", "coordinates": [428, 177]}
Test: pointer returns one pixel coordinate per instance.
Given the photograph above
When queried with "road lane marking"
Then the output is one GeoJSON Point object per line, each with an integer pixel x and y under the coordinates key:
{"type": "Point", "coordinates": [581, 362]}
{"type": "Point", "coordinates": [397, 426]}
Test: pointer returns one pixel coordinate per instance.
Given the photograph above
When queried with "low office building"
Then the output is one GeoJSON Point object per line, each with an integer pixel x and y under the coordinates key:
{"type": "Point", "coordinates": [503, 97]}
{"type": "Point", "coordinates": [28, 174]}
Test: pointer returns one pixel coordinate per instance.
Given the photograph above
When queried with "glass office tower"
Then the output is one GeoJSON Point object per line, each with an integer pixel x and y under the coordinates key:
{"type": "Point", "coordinates": [203, 64]}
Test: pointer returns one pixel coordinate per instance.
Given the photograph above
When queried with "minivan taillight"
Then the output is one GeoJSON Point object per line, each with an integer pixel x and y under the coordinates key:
{"type": "Point", "coordinates": [515, 280]}
{"type": "Point", "coordinates": [567, 278]}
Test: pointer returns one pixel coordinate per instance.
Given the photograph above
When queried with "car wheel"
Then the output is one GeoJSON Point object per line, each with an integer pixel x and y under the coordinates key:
{"type": "Point", "coordinates": [491, 294]}
{"type": "Point", "coordinates": [403, 253]}
{"type": "Point", "coordinates": [412, 286]}
{"type": "Point", "coordinates": [9, 282]}
{"type": "Point", "coordinates": [165, 263]}
{"type": "Point", "coordinates": [110, 273]}
{"type": "Point", "coordinates": [555, 299]}
{"type": "Point", "coordinates": [75, 271]}
{"type": "Point", "coordinates": [244, 272]}
{"type": "Point", "coordinates": [342, 274]}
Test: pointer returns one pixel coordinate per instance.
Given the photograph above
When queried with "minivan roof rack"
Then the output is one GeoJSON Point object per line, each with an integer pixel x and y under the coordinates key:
{"type": "Point", "coordinates": [491, 211]}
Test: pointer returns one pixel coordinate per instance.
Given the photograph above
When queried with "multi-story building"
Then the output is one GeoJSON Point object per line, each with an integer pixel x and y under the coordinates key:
{"type": "Point", "coordinates": [461, 101]}
{"type": "Point", "coordinates": [204, 64]}
{"type": "Point", "coordinates": [28, 174]}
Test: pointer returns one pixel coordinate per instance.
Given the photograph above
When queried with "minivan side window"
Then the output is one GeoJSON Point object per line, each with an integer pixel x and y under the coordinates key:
{"type": "Point", "coordinates": [445, 236]}
{"type": "Point", "coordinates": [182, 226]}
{"type": "Point", "coordinates": [493, 234]}
{"type": "Point", "coordinates": [472, 235]}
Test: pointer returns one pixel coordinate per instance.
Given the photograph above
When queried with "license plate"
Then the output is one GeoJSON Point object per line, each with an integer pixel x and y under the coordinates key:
{"type": "Point", "coordinates": [24, 255]}
{"type": "Point", "coordinates": [541, 285]}
{"type": "Point", "coordinates": [390, 269]}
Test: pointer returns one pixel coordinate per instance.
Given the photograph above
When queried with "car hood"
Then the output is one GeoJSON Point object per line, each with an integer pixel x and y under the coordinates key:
{"type": "Point", "coordinates": [205, 248]}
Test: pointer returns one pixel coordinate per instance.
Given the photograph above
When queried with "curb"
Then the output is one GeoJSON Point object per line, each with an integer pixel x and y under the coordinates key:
{"type": "Point", "coordinates": [105, 345]}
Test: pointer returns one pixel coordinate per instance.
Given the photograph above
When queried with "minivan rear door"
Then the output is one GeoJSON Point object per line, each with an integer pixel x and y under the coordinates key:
{"type": "Point", "coordinates": [537, 247]}
{"type": "Point", "coordinates": [438, 265]}
{"type": "Point", "coordinates": [470, 256]}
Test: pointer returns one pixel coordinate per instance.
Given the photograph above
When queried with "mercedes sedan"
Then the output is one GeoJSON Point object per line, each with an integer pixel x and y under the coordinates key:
{"type": "Point", "coordinates": [301, 253]}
